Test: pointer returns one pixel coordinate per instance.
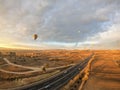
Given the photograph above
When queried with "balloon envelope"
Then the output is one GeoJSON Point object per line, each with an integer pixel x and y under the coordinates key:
{"type": "Point", "coordinates": [35, 36]}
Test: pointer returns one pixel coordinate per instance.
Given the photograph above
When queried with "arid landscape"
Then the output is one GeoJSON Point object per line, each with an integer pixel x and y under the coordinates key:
{"type": "Point", "coordinates": [21, 67]}
{"type": "Point", "coordinates": [59, 44]}
{"type": "Point", "coordinates": [105, 71]}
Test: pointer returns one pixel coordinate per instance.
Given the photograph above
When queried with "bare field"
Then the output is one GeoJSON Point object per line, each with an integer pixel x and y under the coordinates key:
{"type": "Point", "coordinates": [105, 73]}
{"type": "Point", "coordinates": [14, 68]}
{"type": "Point", "coordinates": [25, 66]}
{"type": "Point", "coordinates": [5, 84]}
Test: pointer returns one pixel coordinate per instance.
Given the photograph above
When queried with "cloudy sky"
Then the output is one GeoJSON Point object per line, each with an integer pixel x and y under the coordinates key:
{"type": "Point", "coordinates": [60, 24]}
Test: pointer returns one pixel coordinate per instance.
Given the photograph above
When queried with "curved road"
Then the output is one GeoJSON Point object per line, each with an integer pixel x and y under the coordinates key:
{"type": "Point", "coordinates": [57, 81]}
{"type": "Point", "coordinates": [27, 67]}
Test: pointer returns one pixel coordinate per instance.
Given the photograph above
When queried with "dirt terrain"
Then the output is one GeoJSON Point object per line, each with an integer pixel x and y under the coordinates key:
{"type": "Point", "coordinates": [105, 71]}
{"type": "Point", "coordinates": [22, 67]}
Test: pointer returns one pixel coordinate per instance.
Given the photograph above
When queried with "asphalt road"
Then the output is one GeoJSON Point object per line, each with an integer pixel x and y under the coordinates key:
{"type": "Point", "coordinates": [56, 82]}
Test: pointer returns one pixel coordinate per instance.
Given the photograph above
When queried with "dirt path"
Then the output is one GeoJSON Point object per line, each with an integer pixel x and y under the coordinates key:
{"type": "Point", "coordinates": [27, 72]}
{"type": "Point", "coordinates": [32, 68]}
{"type": "Point", "coordinates": [26, 67]}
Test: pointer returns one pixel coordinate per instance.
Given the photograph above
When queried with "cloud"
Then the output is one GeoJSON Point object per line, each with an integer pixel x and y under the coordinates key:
{"type": "Point", "coordinates": [78, 16]}
{"type": "Point", "coordinates": [61, 21]}
{"type": "Point", "coordinates": [111, 37]}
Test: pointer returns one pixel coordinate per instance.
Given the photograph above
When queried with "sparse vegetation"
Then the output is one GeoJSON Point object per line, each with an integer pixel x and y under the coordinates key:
{"type": "Point", "coordinates": [104, 62]}
{"type": "Point", "coordinates": [118, 62]}
{"type": "Point", "coordinates": [104, 72]}
{"type": "Point", "coordinates": [45, 59]}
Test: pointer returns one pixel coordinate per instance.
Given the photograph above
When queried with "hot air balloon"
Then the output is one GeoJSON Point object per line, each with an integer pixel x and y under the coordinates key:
{"type": "Point", "coordinates": [35, 36]}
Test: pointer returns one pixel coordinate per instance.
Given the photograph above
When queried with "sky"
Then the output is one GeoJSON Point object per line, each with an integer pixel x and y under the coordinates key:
{"type": "Point", "coordinates": [60, 24]}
